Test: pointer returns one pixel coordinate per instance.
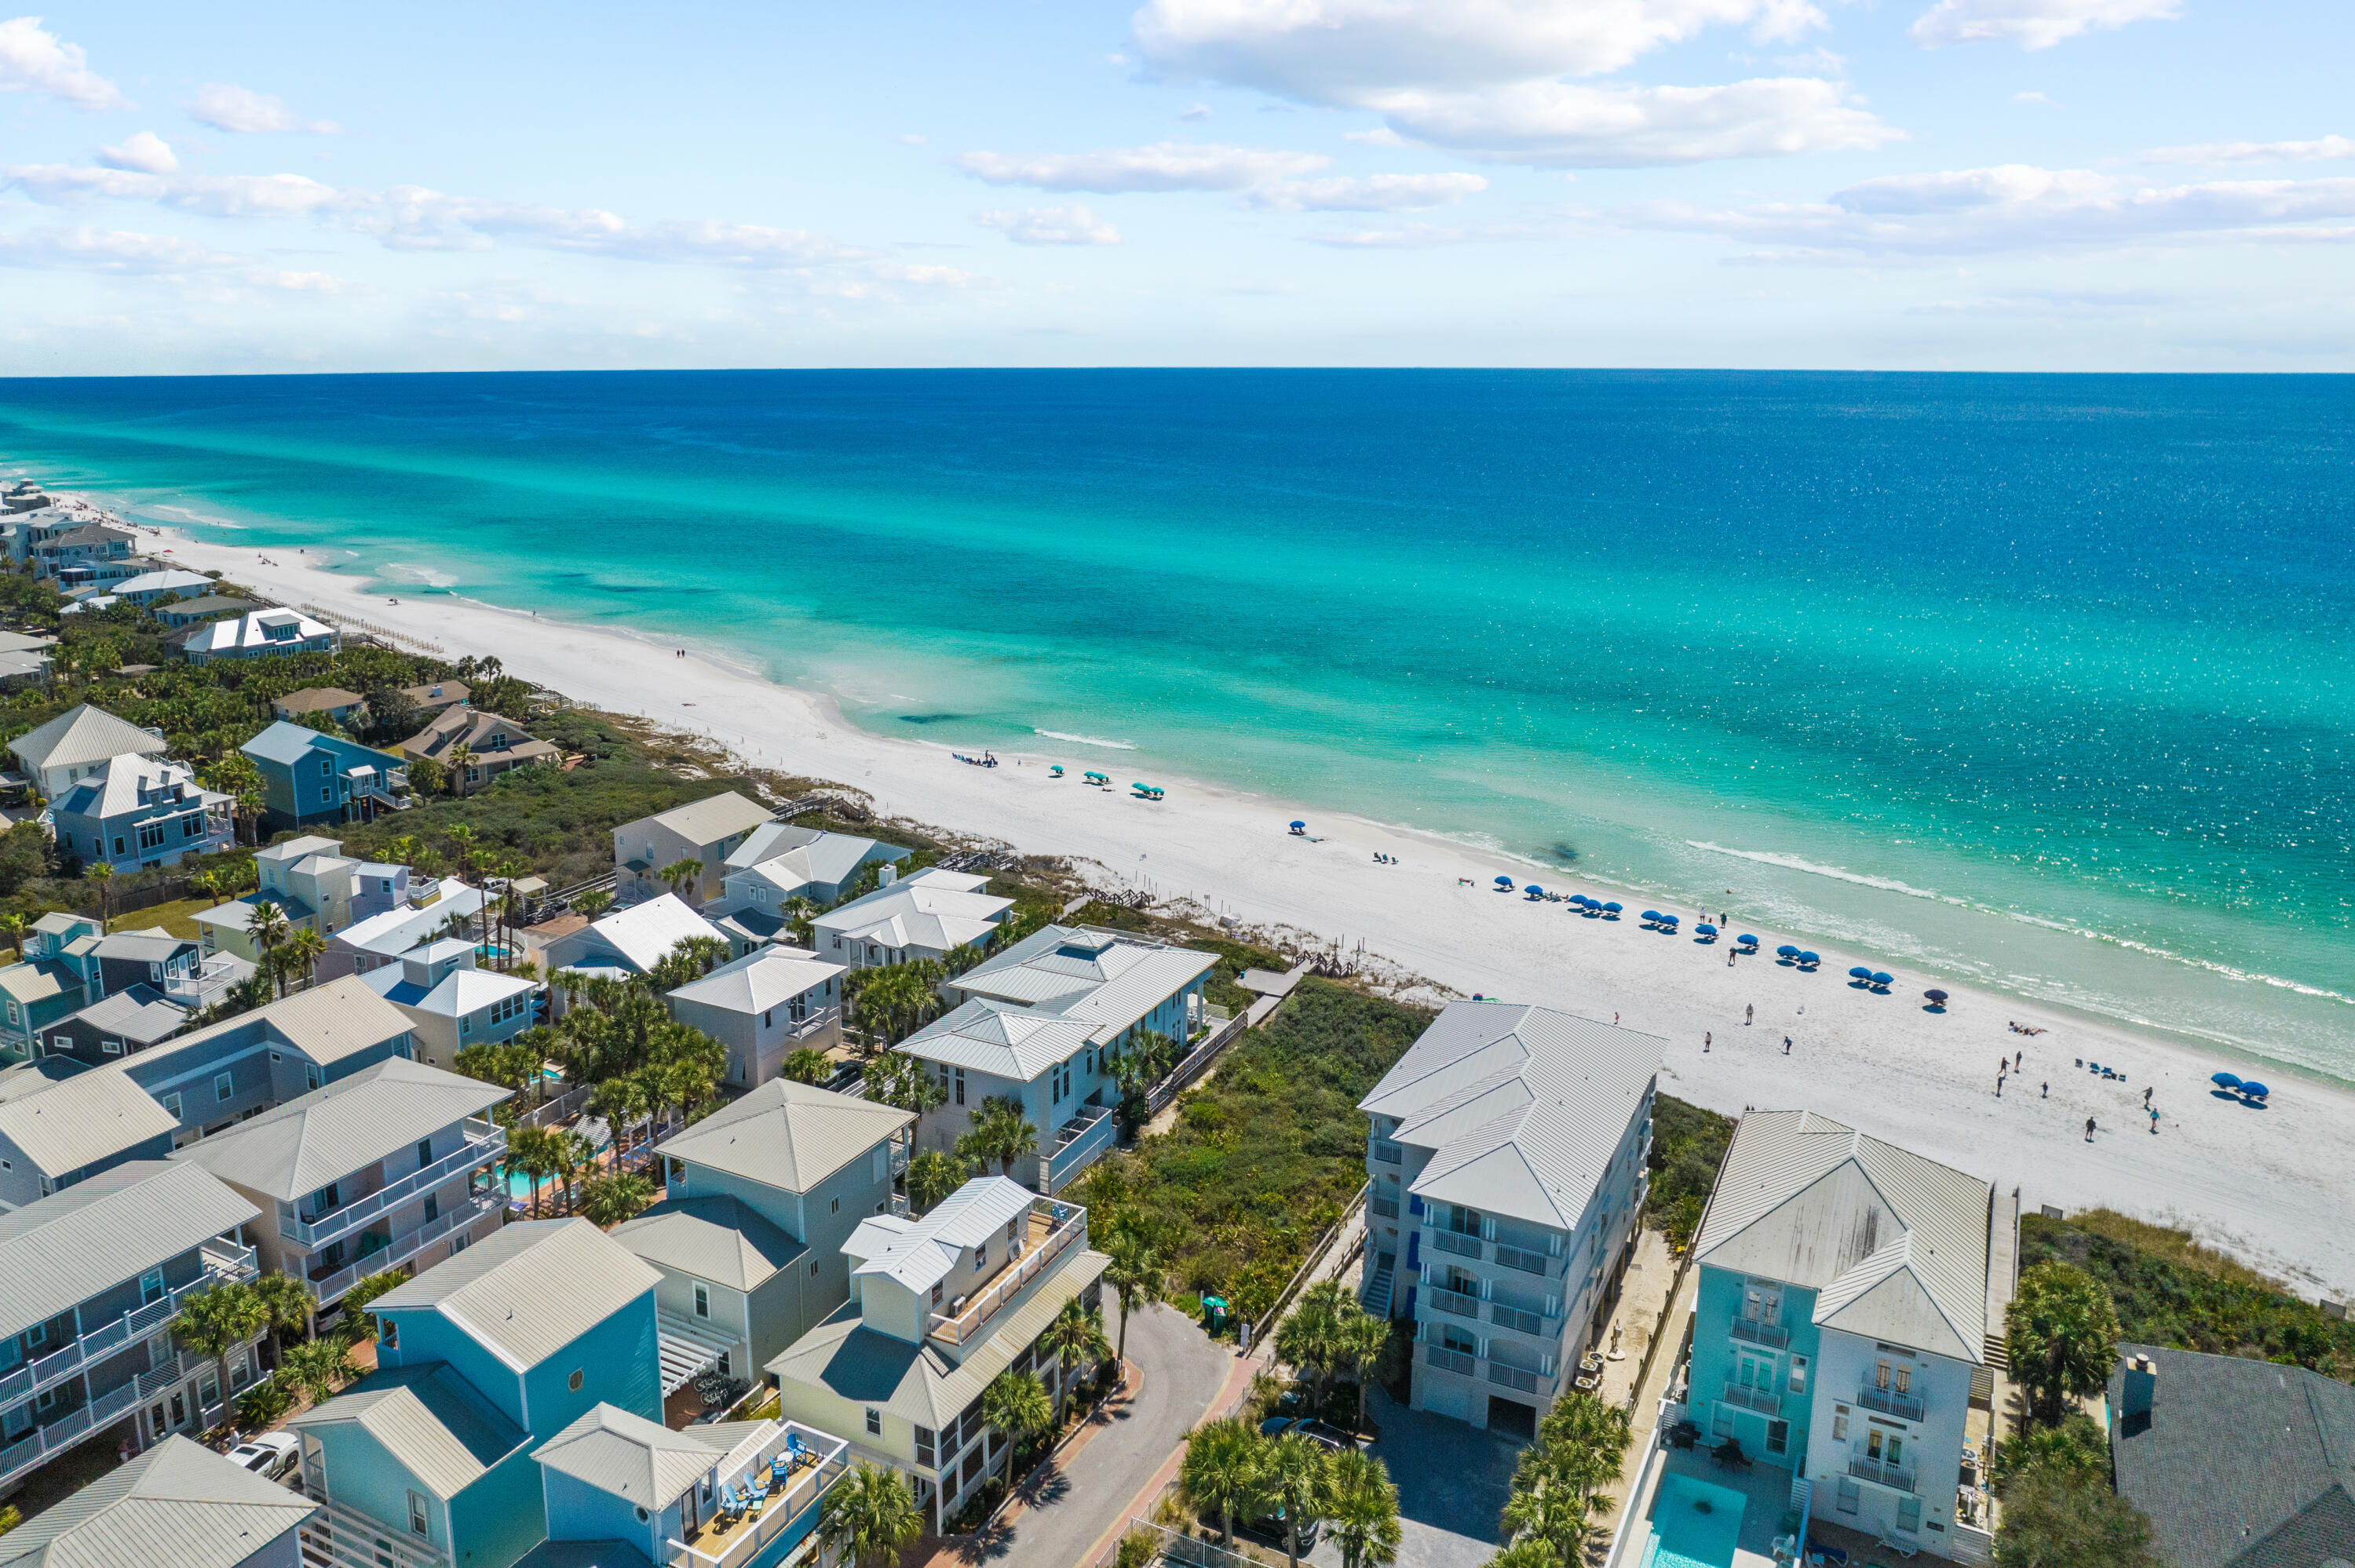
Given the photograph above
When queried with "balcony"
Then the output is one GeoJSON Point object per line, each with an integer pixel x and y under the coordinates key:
{"type": "Point", "coordinates": [485, 1144]}
{"type": "Point", "coordinates": [785, 1511]}
{"type": "Point", "coordinates": [1774, 1336]}
{"type": "Point", "coordinates": [327, 1288]}
{"type": "Point", "coordinates": [1517, 1378]}
{"type": "Point", "coordinates": [1881, 1475]}
{"type": "Point", "coordinates": [1521, 1380]}
{"type": "Point", "coordinates": [1455, 1302]}
{"type": "Point", "coordinates": [1383, 1208]}
{"type": "Point", "coordinates": [1077, 1143]}
{"type": "Point", "coordinates": [1054, 1228]}
{"type": "Point", "coordinates": [1765, 1400]}
{"type": "Point", "coordinates": [1461, 1245]}
{"type": "Point", "coordinates": [1528, 1262]}
{"type": "Point", "coordinates": [1455, 1361]}
{"type": "Point", "coordinates": [1388, 1153]}
{"type": "Point", "coordinates": [224, 1262]}
{"type": "Point", "coordinates": [1889, 1402]}
{"type": "Point", "coordinates": [1536, 1325]}
{"type": "Point", "coordinates": [38, 1447]}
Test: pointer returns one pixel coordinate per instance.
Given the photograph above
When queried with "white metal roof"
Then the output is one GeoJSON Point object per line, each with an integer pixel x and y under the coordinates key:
{"type": "Point", "coordinates": [456, 994]}
{"type": "Point", "coordinates": [718, 1239]}
{"type": "Point", "coordinates": [969, 1217]}
{"type": "Point", "coordinates": [1105, 980]}
{"type": "Point", "coordinates": [765, 978]}
{"type": "Point", "coordinates": [117, 789]}
{"type": "Point", "coordinates": [932, 909]}
{"type": "Point", "coordinates": [83, 735]}
{"type": "Point", "coordinates": [430, 1420]}
{"type": "Point", "coordinates": [64, 1124]}
{"type": "Point", "coordinates": [646, 933]}
{"type": "Point", "coordinates": [529, 1289]}
{"type": "Point", "coordinates": [326, 1023]}
{"type": "Point", "coordinates": [292, 1151]}
{"type": "Point", "coordinates": [178, 1505]}
{"type": "Point", "coordinates": [713, 818]}
{"type": "Point", "coordinates": [644, 1462]}
{"type": "Point", "coordinates": [787, 1135]}
{"type": "Point", "coordinates": [396, 931]}
{"type": "Point", "coordinates": [64, 1249]}
{"type": "Point", "coordinates": [988, 1036]}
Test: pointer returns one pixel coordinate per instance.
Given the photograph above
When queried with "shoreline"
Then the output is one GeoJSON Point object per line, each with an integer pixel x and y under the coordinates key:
{"type": "Point", "coordinates": [2260, 1184]}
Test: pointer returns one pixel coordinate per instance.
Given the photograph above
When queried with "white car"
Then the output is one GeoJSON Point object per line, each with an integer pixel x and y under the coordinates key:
{"type": "Point", "coordinates": [273, 1455]}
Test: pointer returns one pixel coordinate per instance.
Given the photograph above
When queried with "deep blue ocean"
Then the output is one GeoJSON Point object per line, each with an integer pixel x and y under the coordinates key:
{"type": "Point", "coordinates": [2040, 682]}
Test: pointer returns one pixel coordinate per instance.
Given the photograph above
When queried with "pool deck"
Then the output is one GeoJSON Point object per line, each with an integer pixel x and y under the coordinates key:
{"type": "Point", "coordinates": [1766, 1491]}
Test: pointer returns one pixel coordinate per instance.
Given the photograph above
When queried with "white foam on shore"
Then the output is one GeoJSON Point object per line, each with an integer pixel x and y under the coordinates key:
{"type": "Point", "coordinates": [194, 516]}
{"type": "Point", "coordinates": [1084, 740]}
{"type": "Point", "coordinates": [424, 576]}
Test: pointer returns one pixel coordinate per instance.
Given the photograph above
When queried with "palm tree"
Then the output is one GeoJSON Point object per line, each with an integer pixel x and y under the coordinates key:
{"type": "Point", "coordinates": [1362, 1511]}
{"type": "Point", "coordinates": [932, 1176]}
{"type": "Point", "coordinates": [1136, 1272]}
{"type": "Point", "coordinates": [1016, 1405]}
{"type": "Point", "coordinates": [2061, 1334]}
{"type": "Point", "coordinates": [529, 1153]}
{"type": "Point", "coordinates": [1295, 1480]}
{"type": "Point", "coordinates": [286, 1301]}
{"type": "Point", "coordinates": [619, 1102]}
{"type": "Point", "coordinates": [798, 913]}
{"type": "Point", "coordinates": [1221, 1472]}
{"type": "Point", "coordinates": [1580, 1447]}
{"type": "Point", "coordinates": [869, 1515]}
{"type": "Point", "coordinates": [1074, 1335]}
{"type": "Point", "coordinates": [682, 874]}
{"type": "Point", "coordinates": [100, 873]}
{"type": "Point", "coordinates": [303, 950]}
{"type": "Point", "coordinates": [807, 1066]}
{"type": "Point", "coordinates": [1000, 1133]}
{"type": "Point", "coordinates": [269, 929]}
{"type": "Point", "coordinates": [358, 1323]}
{"type": "Point", "coordinates": [1527, 1553]}
{"type": "Point", "coordinates": [898, 1080]}
{"type": "Point", "coordinates": [568, 1154]}
{"type": "Point", "coordinates": [607, 1199]}
{"type": "Point", "coordinates": [1361, 1338]}
{"type": "Point", "coordinates": [316, 1367]}
{"type": "Point", "coordinates": [1309, 1338]}
{"type": "Point", "coordinates": [218, 1320]}
{"type": "Point", "coordinates": [457, 759]}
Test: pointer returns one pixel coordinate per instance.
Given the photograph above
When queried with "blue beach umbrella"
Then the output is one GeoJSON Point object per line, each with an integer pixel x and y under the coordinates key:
{"type": "Point", "coordinates": [1785, 951]}
{"type": "Point", "coordinates": [1611, 909]}
{"type": "Point", "coordinates": [1534, 891]}
{"type": "Point", "coordinates": [1669, 919]}
{"type": "Point", "coordinates": [2254, 1091]}
{"type": "Point", "coordinates": [1809, 958]}
{"type": "Point", "coordinates": [1300, 824]}
{"type": "Point", "coordinates": [2224, 1080]}
{"type": "Point", "coordinates": [1706, 929]}
{"type": "Point", "coordinates": [1884, 980]}
{"type": "Point", "coordinates": [1651, 914]}
{"type": "Point", "coordinates": [1936, 996]}
{"type": "Point", "coordinates": [1859, 972]}
{"type": "Point", "coordinates": [1504, 882]}
{"type": "Point", "coordinates": [1746, 939]}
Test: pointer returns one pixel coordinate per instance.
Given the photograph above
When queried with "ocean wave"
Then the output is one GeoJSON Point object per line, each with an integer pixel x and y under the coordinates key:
{"type": "Point", "coordinates": [1084, 740]}
{"type": "Point", "coordinates": [1793, 862]}
{"type": "Point", "coordinates": [194, 516]}
{"type": "Point", "coordinates": [425, 577]}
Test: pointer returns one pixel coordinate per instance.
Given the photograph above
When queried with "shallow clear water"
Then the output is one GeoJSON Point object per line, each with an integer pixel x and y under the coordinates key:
{"type": "Point", "coordinates": [2035, 682]}
{"type": "Point", "coordinates": [1694, 1524]}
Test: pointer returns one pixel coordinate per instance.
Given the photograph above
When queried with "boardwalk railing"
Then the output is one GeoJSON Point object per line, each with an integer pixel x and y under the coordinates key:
{"type": "Point", "coordinates": [1191, 1067]}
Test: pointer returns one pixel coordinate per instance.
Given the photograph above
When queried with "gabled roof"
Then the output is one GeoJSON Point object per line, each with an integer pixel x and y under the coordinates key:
{"type": "Point", "coordinates": [787, 1135]}
{"type": "Point", "coordinates": [61, 1251]}
{"type": "Point", "coordinates": [292, 1151]}
{"type": "Point", "coordinates": [1523, 1108]}
{"type": "Point", "coordinates": [789, 856]}
{"type": "Point", "coordinates": [973, 1215]}
{"type": "Point", "coordinates": [84, 735]}
{"type": "Point", "coordinates": [303, 846]}
{"type": "Point", "coordinates": [646, 933]}
{"type": "Point", "coordinates": [529, 1289]}
{"type": "Point", "coordinates": [116, 790]}
{"type": "Point", "coordinates": [178, 1505]}
{"type": "Point", "coordinates": [248, 631]}
{"type": "Point", "coordinates": [396, 931]}
{"type": "Point", "coordinates": [1103, 979]}
{"type": "Point", "coordinates": [152, 945]}
{"type": "Point", "coordinates": [455, 726]}
{"type": "Point", "coordinates": [713, 818]}
{"type": "Point", "coordinates": [1894, 1244]}
{"type": "Point", "coordinates": [310, 699]}
{"type": "Point", "coordinates": [718, 1239]}
{"type": "Point", "coordinates": [644, 1462]}
{"type": "Point", "coordinates": [761, 980]}
{"type": "Point", "coordinates": [988, 1036]}
{"type": "Point", "coordinates": [432, 1422]}
{"type": "Point", "coordinates": [37, 980]}
{"type": "Point", "coordinates": [457, 993]}
{"type": "Point", "coordinates": [138, 1013]}
{"type": "Point", "coordinates": [286, 742]}
{"type": "Point", "coordinates": [63, 1125]}
{"type": "Point", "coordinates": [326, 1022]}
{"type": "Point", "coordinates": [932, 909]}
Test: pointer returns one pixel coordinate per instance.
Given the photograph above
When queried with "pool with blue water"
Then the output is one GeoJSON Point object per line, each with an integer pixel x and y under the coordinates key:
{"type": "Point", "coordinates": [1694, 1524]}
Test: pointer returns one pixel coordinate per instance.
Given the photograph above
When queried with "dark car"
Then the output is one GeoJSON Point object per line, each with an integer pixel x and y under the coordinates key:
{"type": "Point", "coordinates": [1318, 1432]}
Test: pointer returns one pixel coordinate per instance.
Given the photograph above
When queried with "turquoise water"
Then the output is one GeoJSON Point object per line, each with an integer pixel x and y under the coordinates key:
{"type": "Point", "coordinates": [1694, 1524]}
{"type": "Point", "coordinates": [2038, 683]}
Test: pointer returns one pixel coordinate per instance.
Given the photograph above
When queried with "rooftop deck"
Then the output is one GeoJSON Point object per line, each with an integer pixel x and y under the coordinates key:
{"type": "Point", "coordinates": [1054, 1227]}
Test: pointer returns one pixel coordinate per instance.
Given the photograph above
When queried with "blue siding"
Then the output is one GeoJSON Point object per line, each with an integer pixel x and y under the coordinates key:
{"type": "Point", "coordinates": [1716, 1362]}
{"type": "Point", "coordinates": [501, 1516]}
{"type": "Point", "coordinates": [620, 1363]}
{"type": "Point", "coordinates": [427, 1337]}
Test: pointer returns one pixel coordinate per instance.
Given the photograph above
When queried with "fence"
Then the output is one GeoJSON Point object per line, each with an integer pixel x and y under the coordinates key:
{"type": "Point", "coordinates": [347, 622]}
{"type": "Point", "coordinates": [556, 1110]}
{"type": "Point", "coordinates": [123, 901]}
{"type": "Point", "coordinates": [1191, 1067]}
{"type": "Point", "coordinates": [1315, 1255]}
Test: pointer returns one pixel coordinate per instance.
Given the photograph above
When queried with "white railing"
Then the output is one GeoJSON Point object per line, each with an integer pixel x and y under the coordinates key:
{"type": "Point", "coordinates": [1078, 1141]}
{"type": "Point", "coordinates": [38, 1447]}
{"type": "Point", "coordinates": [484, 1144]}
{"type": "Point", "coordinates": [225, 1261]}
{"type": "Point", "coordinates": [1889, 1402]}
{"type": "Point", "coordinates": [1773, 1335]}
{"type": "Point", "coordinates": [547, 1112]}
{"type": "Point", "coordinates": [340, 1537]}
{"type": "Point", "coordinates": [1765, 1400]}
{"type": "Point", "coordinates": [327, 1288]}
{"type": "Point", "coordinates": [956, 1327]}
{"type": "Point", "coordinates": [785, 1511]}
{"type": "Point", "coordinates": [1881, 1475]}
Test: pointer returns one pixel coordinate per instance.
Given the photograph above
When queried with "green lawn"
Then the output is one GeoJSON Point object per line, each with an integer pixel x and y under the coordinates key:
{"type": "Point", "coordinates": [177, 917]}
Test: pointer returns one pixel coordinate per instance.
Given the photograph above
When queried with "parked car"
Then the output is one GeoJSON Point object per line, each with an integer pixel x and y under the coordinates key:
{"type": "Point", "coordinates": [273, 1455]}
{"type": "Point", "coordinates": [1321, 1433]}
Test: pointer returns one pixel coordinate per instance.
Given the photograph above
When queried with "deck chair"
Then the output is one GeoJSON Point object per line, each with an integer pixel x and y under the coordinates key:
{"type": "Point", "coordinates": [1889, 1542]}
{"type": "Point", "coordinates": [795, 1454]}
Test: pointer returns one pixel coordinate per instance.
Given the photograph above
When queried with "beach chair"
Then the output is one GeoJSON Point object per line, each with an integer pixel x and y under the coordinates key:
{"type": "Point", "coordinates": [730, 1502]}
{"type": "Point", "coordinates": [1888, 1542]}
{"type": "Point", "coordinates": [1825, 1556]}
{"type": "Point", "coordinates": [780, 1470]}
{"type": "Point", "coordinates": [797, 1456]}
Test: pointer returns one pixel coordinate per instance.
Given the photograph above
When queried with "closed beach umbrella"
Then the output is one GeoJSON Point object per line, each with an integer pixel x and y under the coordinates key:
{"type": "Point", "coordinates": [1884, 980]}
{"type": "Point", "coordinates": [1859, 972]}
{"type": "Point", "coordinates": [2254, 1091]}
{"type": "Point", "coordinates": [2224, 1080]}
{"type": "Point", "coordinates": [1935, 995]}
{"type": "Point", "coordinates": [1785, 951]}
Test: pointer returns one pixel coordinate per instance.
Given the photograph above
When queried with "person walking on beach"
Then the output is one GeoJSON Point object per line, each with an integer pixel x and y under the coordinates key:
{"type": "Point", "coordinates": [1749, 1011]}
{"type": "Point", "coordinates": [1704, 1042]}
{"type": "Point", "coordinates": [1998, 1086]}
{"type": "Point", "coordinates": [2146, 1099]}
{"type": "Point", "coordinates": [2048, 1090]}
{"type": "Point", "coordinates": [1786, 1044]}
{"type": "Point", "coordinates": [2089, 1129]}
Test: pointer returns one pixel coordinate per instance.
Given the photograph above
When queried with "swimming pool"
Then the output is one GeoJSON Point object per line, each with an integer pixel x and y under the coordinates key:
{"type": "Point", "coordinates": [1694, 1524]}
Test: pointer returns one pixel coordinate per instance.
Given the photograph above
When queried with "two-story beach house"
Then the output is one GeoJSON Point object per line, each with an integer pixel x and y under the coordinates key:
{"type": "Point", "coordinates": [309, 778]}
{"type": "Point", "coordinates": [760, 1198]}
{"type": "Point", "coordinates": [1851, 1295]}
{"type": "Point", "coordinates": [260, 635]}
{"type": "Point", "coordinates": [339, 705]}
{"type": "Point", "coordinates": [764, 1006]}
{"type": "Point", "coordinates": [493, 744]}
{"type": "Point", "coordinates": [481, 1359]}
{"type": "Point", "coordinates": [316, 887]}
{"type": "Point", "coordinates": [149, 586]}
{"type": "Point", "coordinates": [452, 1003]}
{"type": "Point", "coordinates": [136, 812]}
{"type": "Point", "coordinates": [706, 831]}
{"type": "Point", "coordinates": [386, 935]}
{"type": "Point", "coordinates": [84, 549]}
{"type": "Point", "coordinates": [392, 1165]}
{"type": "Point", "coordinates": [1044, 1024]}
{"type": "Point", "coordinates": [1508, 1149]}
{"type": "Point", "coordinates": [925, 915]}
{"type": "Point", "coordinates": [78, 743]}
{"type": "Point", "coordinates": [49, 980]}
{"type": "Point", "coordinates": [185, 613]}
{"type": "Point", "coordinates": [178, 1505]}
{"type": "Point", "coordinates": [89, 1277]}
{"type": "Point", "coordinates": [939, 1307]}
{"type": "Point", "coordinates": [61, 1123]}
{"type": "Point", "coordinates": [779, 863]}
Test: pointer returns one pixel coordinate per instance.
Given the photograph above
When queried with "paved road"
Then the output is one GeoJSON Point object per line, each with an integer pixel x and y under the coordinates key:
{"type": "Point", "coordinates": [1182, 1371]}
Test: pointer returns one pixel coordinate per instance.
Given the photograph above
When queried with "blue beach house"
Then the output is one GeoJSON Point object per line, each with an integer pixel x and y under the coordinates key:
{"type": "Point", "coordinates": [481, 1359]}
{"type": "Point", "coordinates": [309, 777]}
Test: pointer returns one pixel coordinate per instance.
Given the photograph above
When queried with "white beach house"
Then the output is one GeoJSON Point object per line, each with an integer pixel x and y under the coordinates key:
{"type": "Point", "coordinates": [925, 915]}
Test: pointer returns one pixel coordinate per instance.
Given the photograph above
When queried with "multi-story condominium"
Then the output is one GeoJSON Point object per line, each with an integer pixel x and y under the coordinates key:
{"type": "Point", "coordinates": [1043, 1024]}
{"type": "Point", "coordinates": [178, 1505]}
{"type": "Point", "coordinates": [779, 863]}
{"type": "Point", "coordinates": [79, 743]}
{"type": "Point", "coordinates": [1851, 1293]}
{"type": "Point", "coordinates": [927, 915]}
{"type": "Point", "coordinates": [89, 1280]}
{"type": "Point", "coordinates": [493, 745]}
{"type": "Point", "coordinates": [763, 1007]}
{"type": "Point", "coordinates": [480, 1360]}
{"type": "Point", "coordinates": [452, 1003]}
{"type": "Point", "coordinates": [760, 1198]}
{"type": "Point", "coordinates": [260, 635]}
{"type": "Point", "coordinates": [60, 1124]}
{"type": "Point", "coordinates": [392, 1165]}
{"type": "Point", "coordinates": [939, 1307]}
{"type": "Point", "coordinates": [1508, 1147]}
{"type": "Point", "coordinates": [310, 779]}
{"type": "Point", "coordinates": [135, 812]}
{"type": "Point", "coordinates": [706, 831]}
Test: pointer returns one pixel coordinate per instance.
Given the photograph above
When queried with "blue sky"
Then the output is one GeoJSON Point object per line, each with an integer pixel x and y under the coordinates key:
{"type": "Point", "coordinates": [2063, 184]}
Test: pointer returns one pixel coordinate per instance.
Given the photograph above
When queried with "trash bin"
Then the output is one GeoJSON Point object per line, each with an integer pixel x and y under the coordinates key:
{"type": "Point", "coordinates": [1214, 1316]}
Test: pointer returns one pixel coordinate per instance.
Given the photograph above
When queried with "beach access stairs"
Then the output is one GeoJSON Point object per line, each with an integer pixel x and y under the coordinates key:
{"type": "Point", "coordinates": [1379, 1284]}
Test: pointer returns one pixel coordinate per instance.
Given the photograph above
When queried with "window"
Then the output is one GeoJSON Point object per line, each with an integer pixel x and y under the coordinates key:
{"type": "Point", "coordinates": [1798, 1374]}
{"type": "Point", "coordinates": [151, 1287]}
{"type": "Point", "coordinates": [118, 844]}
{"type": "Point", "coordinates": [1881, 1376]}
{"type": "Point", "coordinates": [457, 1244]}
{"type": "Point", "coordinates": [874, 1422]}
{"type": "Point", "coordinates": [702, 1301]}
{"type": "Point", "coordinates": [813, 1269]}
{"type": "Point", "coordinates": [1763, 1303]}
{"type": "Point", "coordinates": [311, 1079]}
{"type": "Point", "coordinates": [425, 1153]}
{"type": "Point", "coordinates": [573, 1383]}
{"type": "Point", "coordinates": [981, 1256]}
{"type": "Point", "coordinates": [388, 1331]}
{"type": "Point", "coordinates": [1851, 1495]}
{"type": "Point", "coordinates": [172, 1106]}
{"type": "Point", "coordinates": [325, 795]}
{"type": "Point", "coordinates": [224, 1087]}
{"type": "Point", "coordinates": [926, 1446]}
{"type": "Point", "coordinates": [416, 1515]}
{"type": "Point", "coordinates": [834, 1207]}
{"type": "Point", "coordinates": [1909, 1514]}
{"type": "Point", "coordinates": [151, 834]}
{"type": "Point", "coordinates": [1778, 1436]}
{"type": "Point", "coordinates": [960, 1071]}
{"type": "Point", "coordinates": [1839, 1428]}
{"type": "Point", "coordinates": [938, 1289]}
{"type": "Point", "coordinates": [1904, 1380]}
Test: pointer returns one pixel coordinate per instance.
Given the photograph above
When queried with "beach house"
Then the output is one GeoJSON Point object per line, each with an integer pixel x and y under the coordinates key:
{"type": "Point", "coordinates": [1850, 1310]}
{"type": "Point", "coordinates": [482, 1359]}
{"type": "Point", "coordinates": [89, 545]}
{"type": "Point", "coordinates": [260, 635]}
{"type": "Point", "coordinates": [124, 1022]}
{"type": "Point", "coordinates": [333, 703]}
{"type": "Point", "coordinates": [392, 1165]}
{"type": "Point", "coordinates": [136, 812]}
{"type": "Point", "coordinates": [379, 937]}
{"type": "Point", "coordinates": [315, 886]}
{"type": "Point", "coordinates": [310, 779]}
{"type": "Point", "coordinates": [759, 1199]}
{"type": "Point", "coordinates": [60, 1124]}
{"type": "Point", "coordinates": [939, 1307]}
{"type": "Point", "coordinates": [149, 586]}
{"type": "Point", "coordinates": [429, 699]}
{"type": "Point", "coordinates": [706, 831]}
{"type": "Point", "coordinates": [631, 941]}
{"type": "Point", "coordinates": [926, 915]}
{"type": "Point", "coordinates": [1508, 1148]}
{"type": "Point", "coordinates": [49, 980]}
{"type": "Point", "coordinates": [88, 1279]}
{"type": "Point", "coordinates": [767, 1004]}
{"type": "Point", "coordinates": [452, 1003]}
{"type": "Point", "coordinates": [187, 613]}
{"type": "Point", "coordinates": [78, 744]}
{"type": "Point", "coordinates": [178, 1505]}
{"type": "Point", "coordinates": [25, 661]}
{"type": "Point", "coordinates": [491, 745]}
{"type": "Point", "coordinates": [779, 863]}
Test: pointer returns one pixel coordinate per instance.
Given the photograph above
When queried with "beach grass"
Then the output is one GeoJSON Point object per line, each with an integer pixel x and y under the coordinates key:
{"type": "Point", "coordinates": [177, 917]}
{"type": "Point", "coordinates": [2175, 1245]}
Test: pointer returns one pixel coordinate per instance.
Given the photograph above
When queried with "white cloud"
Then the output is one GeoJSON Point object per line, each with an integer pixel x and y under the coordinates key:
{"type": "Point", "coordinates": [2211, 153]}
{"type": "Point", "coordinates": [1198, 113]}
{"type": "Point", "coordinates": [1073, 224]}
{"type": "Point", "coordinates": [1561, 125]}
{"type": "Point", "coordinates": [225, 106]}
{"type": "Point", "coordinates": [1374, 193]}
{"type": "Point", "coordinates": [215, 195]}
{"type": "Point", "coordinates": [1379, 136]}
{"type": "Point", "coordinates": [80, 248]}
{"type": "Point", "coordinates": [2030, 23]}
{"type": "Point", "coordinates": [33, 59]}
{"type": "Point", "coordinates": [1163, 166]}
{"type": "Point", "coordinates": [915, 139]}
{"type": "Point", "coordinates": [144, 152]}
{"type": "Point", "coordinates": [2030, 98]}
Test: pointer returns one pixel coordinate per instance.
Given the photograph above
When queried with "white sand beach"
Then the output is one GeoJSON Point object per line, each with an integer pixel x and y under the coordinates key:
{"type": "Point", "coordinates": [2274, 1185]}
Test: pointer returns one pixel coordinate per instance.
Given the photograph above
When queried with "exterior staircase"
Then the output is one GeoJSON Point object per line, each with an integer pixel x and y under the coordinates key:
{"type": "Point", "coordinates": [1378, 1288]}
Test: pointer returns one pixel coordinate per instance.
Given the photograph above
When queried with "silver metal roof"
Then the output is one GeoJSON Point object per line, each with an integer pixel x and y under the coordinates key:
{"type": "Point", "coordinates": [178, 1505]}
{"type": "Point", "coordinates": [292, 1151]}
{"type": "Point", "coordinates": [977, 1213]}
{"type": "Point", "coordinates": [933, 909]}
{"type": "Point", "coordinates": [646, 933]}
{"type": "Point", "coordinates": [642, 1461]}
{"type": "Point", "coordinates": [428, 1418]}
{"type": "Point", "coordinates": [713, 818]}
{"type": "Point", "coordinates": [718, 1239]}
{"type": "Point", "coordinates": [63, 1124]}
{"type": "Point", "coordinates": [325, 1023]}
{"type": "Point", "coordinates": [61, 1251]}
{"type": "Point", "coordinates": [84, 735]}
{"type": "Point", "coordinates": [991, 1036]}
{"type": "Point", "coordinates": [1105, 980]}
{"type": "Point", "coordinates": [528, 1290]}
{"type": "Point", "coordinates": [765, 978]}
{"type": "Point", "coordinates": [787, 1135]}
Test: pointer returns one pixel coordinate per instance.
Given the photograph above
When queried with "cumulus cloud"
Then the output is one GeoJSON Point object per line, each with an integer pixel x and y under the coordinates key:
{"type": "Point", "coordinates": [215, 196]}
{"type": "Point", "coordinates": [33, 59]}
{"type": "Point", "coordinates": [1374, 193]}
{"type": "Point", "coordinates": [81, 249]}
{"type": "Point", "coordinates": [225, 106]}
{"type": "Point", "coordinates": [1163, 166]}
{"type": "Point", "coordinates": [2030, 23]}
{"type": "Point", "coordinates": [145, 152]}
{"type": "Point", "coordinates": [2212, 153]}
{"type": "Point", "coordinates": [1073, 224]}
{"type": "Point", "coordinates": [1563, 125]}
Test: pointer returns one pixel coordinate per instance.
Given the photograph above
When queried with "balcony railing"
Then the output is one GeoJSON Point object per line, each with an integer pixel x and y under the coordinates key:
{"type": "Point", "coordinates": [327, 1288]}
{"type": "Point", "coordinates": [1461, 1245]}
{"type": "Point", "coordinates": [1889, 1402]}
{"type": "Point", "coordinates": [1388, 1153]}
{"type": "Point", "coordinates": [225, 1261]}
{"type": "Point", "coordinates": [38, 1446]}
{"type": "Point", "coordinates": [1383, 1208]}
{"type": "Point", "coordinates": [485, 1144]}
{"type": "Point", "coordinates": [341, 1537]}
{"type": "Point", "coordinates": [1455, 1361]}
{"type": "Point", "coordinates": [786, 1513]}
{"type": "Point", "coordinates": [1077, 1142]}
{"type": "Point", "coordinates": [1764, 1400]}
{"type": "Point", "coordinates": [1528, 1262]}
{"type": "Point", "coordinates": [1518, 1378]}
{"type": "Point", "coordinates": [1772, 1335]}
{"type": "Point", "coordinates": [1068, 1223]}
{"type": "Point", "coordinates": [1881, 1475]}
{"type": "Point", "coordinates": [1532, 1323]}
{"type": "Point", "coordinates": [1524, 1380]}
{"type": "Point", "coordinates": [1455, 1301]}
